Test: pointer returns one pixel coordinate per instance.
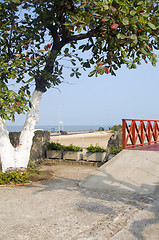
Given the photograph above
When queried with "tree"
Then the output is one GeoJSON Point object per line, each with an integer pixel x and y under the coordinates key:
{"type": "Point", "coordinates": [37, 35]}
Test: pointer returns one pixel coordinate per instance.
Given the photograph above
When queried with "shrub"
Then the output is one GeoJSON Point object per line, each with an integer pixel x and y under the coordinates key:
{"type": "Point", "coordinates": [72, 148]}
{"type": "Point", "coordinates": [116, 128]}
{"type": "Point", "coordinates": [32, 168]}
{"type": "Point", "coordinates": [54, 146]}
{"type": "Point", "coordinates": [58, 146]}
{"type": "Point", "coordinates": [96, 148]}
{"type": "Point", "coordinates": [13, 177]}
{"type": "Point", "coordinates": [115, 149]}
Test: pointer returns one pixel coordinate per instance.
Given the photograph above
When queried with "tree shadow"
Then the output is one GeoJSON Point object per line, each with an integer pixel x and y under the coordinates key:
{"type": "Point", "coordinates": [147, 223]}
{"type": "Point", "coordinates": [141, 201]}
{"type": "Point", "coordinates": [90, 201]}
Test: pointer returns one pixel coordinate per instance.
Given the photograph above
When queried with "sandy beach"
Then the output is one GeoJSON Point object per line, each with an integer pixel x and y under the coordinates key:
{"type": "Point", "coordinates": [83, 139]}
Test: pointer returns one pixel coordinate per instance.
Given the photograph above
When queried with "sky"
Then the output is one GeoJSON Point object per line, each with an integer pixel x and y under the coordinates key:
{"type": "Point", "coordinates": [103, 100]}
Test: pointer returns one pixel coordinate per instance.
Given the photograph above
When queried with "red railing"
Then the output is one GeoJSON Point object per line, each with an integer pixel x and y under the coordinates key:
{"type": "Point", "coordinates": [140, 132]}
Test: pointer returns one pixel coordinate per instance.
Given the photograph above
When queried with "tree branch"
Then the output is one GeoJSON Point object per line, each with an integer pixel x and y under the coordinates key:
{"type": "Point", "coordinates": [54, 33]}
{"type": "Point", "coordinates": [80, 36]}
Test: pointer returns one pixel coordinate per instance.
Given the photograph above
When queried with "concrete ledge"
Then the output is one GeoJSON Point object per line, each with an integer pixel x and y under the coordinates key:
{"type": "Point", "coordinates": [48, 161]}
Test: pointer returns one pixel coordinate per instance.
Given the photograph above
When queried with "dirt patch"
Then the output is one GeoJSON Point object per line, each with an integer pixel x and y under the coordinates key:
{"type": "Point", "coordinates": [68, 171]}
{"type": "Point", "coordinates": [43, 175]}
{"type": "Point", "coordinates": [76, 172]}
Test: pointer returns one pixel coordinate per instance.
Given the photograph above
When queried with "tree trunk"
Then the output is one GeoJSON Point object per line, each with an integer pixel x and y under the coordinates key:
{"type": "Point", "coordinates": [6, 148]}
{"type": "Point", "coordinates": [18, 158]}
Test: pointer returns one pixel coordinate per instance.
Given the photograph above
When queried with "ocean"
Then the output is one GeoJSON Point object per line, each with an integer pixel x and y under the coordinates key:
{"type": "Point", "coordinates": [56, 128]}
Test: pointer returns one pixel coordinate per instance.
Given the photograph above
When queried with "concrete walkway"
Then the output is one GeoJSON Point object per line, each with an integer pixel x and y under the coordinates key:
{"type": "Point", "coordinates": [132, 171]}
{"type": "Point", "coordinates": [142, 226]}
{"type": "Point", "coordinates": [60, 209]}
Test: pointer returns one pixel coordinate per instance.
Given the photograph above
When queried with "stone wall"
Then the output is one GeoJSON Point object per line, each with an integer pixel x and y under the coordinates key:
{"type": "Point", "coordinates": [38, 150]}
{"type": "Point", "coordinates": [114, 141]}
{"type": "Point", "coordinates": [14, 138]}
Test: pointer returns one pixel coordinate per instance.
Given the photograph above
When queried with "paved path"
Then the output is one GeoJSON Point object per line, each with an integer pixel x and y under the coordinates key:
{"type": "Point", "coordinates": [132, 171]}
{"type": "Point", "coordinates": [61, 210]}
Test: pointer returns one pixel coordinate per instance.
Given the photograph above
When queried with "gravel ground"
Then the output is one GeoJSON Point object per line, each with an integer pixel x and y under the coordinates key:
{"type": "Point", "coordinates": [60, 210]}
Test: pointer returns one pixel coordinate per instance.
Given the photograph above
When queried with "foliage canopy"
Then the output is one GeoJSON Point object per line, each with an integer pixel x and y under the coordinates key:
{"type": "Point", "coordinates": [36, 36]}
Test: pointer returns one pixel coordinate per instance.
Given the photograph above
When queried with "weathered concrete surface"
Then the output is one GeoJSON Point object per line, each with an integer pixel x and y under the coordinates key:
{"type": "Point", "coordinates": [134, 171]}
{"type": "Point", "coordinates": [60, 210]}
{"type": "Point", "coordinates": [144, 225]}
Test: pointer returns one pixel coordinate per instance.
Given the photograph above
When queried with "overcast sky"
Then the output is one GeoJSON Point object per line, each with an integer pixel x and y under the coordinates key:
{"type": "Point", "coordinates": [102, 100]}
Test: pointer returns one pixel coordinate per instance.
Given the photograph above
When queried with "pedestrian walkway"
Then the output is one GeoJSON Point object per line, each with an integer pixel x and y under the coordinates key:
{"type": "Point", "coordinates": [134, 171]}
{"type": "Point", "coordinates": [59, 209]}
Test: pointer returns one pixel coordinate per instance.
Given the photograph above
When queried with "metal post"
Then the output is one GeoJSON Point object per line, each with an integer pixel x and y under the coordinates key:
{"type": "Point", "coordinates": [133, 133]}
{"type": "Point", "coordinates": [124, 133]}
{"type": "Point", "coordinates": [149, 133]}
{"type": "Point", "coordinates": [155, 131]}
{"type": "Point", "coordinates": [142, 132]}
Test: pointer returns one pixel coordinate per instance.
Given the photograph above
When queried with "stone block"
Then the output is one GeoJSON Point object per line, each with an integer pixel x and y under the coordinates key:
{"type": "Point", "coordinates": [55, 154]}
{"type": "Point", "coordinates": [70, 155]}
{"type": "Point", "coordinates": [95, 157]}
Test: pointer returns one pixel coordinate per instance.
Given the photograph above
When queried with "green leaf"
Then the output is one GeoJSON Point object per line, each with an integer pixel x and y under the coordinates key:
{"type": "Point", "coordinates": [72, 74]}
{"type": "Point", "coordinates": [144, 37]}
{"type": "Point", "coordinates": [87, 47]}
{"type": "Point", "coordinates": [82, 46]}
{"type": "Point", "coordinates": [30, 80]}
{"type": "Point", "coordinates": [143, 51]}
{"type": "Point", "coordinates": [133, 65]}
{"type": "Point", "coordinates": [102, 71]}
{"type": "Point", "coordinates": [125, 21]}
{"type": "Point", "coordinates": [121, 36]}
{"type": "Point", "coordinates": [151, 25]}
{"type": "Point", "coordinates": [140, 3]}
{"type": "Point", "coordinates": [91, 73]}
{"type": "Point", "coordinates": [106, 7]}
{"type": "Point", "coordinates": [145, 15]}
{"type": "Point", "coordinates": [16, 1]}
{"type": "Point", "coordinates": [73, 63]}
{"type": "Point", "coordinates": [41, 51]}
{"type": "Point", "coordinates": [132, 13]}
{"type": "Point", "coordinates": [86, 65]}
{"type": "Point", "coordinates": [134, 38]}
{"type": "Point", "coordinates": [79, 30]}
{"type": "Point", "coordinates": [66, 50]}
{"type": "Point", "coordinates": [88, 20]}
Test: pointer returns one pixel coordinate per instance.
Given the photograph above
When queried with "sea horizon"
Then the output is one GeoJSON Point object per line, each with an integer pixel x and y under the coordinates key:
{"type": "Point", "coordinates": [18, 128]}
